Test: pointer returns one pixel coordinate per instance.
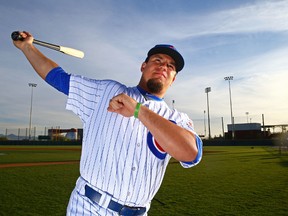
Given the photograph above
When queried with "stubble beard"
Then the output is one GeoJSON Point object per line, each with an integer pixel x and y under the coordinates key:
{"type": "Point", "coordinates": [154, 86]}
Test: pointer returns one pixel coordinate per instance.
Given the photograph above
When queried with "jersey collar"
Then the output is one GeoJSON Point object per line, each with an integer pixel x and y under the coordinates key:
{"type": "Point", "coordinates": [147, 95]}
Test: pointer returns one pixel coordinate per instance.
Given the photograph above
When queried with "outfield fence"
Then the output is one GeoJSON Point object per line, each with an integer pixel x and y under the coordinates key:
{"type": "Point", "coordinates": [42, 133]}
{"type": "Point", "coordinates": [21, 133]}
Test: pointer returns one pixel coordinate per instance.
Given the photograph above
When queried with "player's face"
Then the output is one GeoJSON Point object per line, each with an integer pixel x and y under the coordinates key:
{"type": "Point", "coordinates": [158, 74]}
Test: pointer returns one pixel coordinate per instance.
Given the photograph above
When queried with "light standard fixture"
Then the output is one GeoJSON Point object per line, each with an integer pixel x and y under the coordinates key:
{"type": "Point", "coordinates": [207, 90]}
{"type": "Point", "coordinates": [247, 113]}
{"type": "Point", "coordinates": [228, 78]}
{"type": "Point", "coordinates": [31, 85]}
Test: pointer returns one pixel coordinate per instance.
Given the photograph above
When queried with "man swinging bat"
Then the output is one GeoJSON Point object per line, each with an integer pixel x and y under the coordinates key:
{"type": "Point", "coordinates": [130, 133]}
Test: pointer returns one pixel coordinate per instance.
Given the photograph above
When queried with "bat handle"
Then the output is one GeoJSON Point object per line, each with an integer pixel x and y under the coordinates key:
{"type": "Point", "coordinates": [16, 36]}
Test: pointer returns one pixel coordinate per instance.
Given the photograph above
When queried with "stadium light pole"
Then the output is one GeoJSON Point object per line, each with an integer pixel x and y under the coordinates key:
{"type": "Point", "coordinates": [207, 90]}
{"type": "Point", "coordinates": [32, 85]}
{"type": "Point", "coordinates": [229, 78]}
{"type": "Point", "coordinates": [204, 123]}
{"type": "Point", "coordinates": [247, 114]}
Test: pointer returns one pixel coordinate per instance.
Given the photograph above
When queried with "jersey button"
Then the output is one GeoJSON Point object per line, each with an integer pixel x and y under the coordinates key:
{"type": "Point", "coordinates": [138, 144]}
{"type": "Point", "coordinates": [133, 168]}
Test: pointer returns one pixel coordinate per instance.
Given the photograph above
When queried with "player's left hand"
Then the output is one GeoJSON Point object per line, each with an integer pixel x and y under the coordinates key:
{"type": "Point", "coordinates": [123, 105]}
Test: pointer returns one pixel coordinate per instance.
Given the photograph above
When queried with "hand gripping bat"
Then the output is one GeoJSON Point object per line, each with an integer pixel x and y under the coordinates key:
{"type": "Point", "coordinates": [66, 50]}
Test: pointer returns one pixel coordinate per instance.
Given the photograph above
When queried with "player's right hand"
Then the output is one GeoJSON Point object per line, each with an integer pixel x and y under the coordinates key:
{"type": "Point", "coordinates": [123, 105]}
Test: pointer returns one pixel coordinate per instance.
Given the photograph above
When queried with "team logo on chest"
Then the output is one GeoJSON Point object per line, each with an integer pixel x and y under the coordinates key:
{"type": "Point", "coordinates": [155, 147]}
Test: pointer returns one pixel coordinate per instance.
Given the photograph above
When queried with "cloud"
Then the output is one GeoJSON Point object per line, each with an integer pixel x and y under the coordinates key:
{"type": "Point", "coordinates": [260, 16]}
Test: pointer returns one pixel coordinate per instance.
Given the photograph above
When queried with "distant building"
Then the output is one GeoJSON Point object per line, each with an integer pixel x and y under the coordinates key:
{"type": "Point", "coordinates": [245, 131]}
{"type": "Point", "coordinates": [70, 134]}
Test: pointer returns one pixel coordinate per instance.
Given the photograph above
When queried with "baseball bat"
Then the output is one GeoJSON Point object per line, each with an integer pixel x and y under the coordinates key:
{"type": "Point", "coordinates": [66, 50]}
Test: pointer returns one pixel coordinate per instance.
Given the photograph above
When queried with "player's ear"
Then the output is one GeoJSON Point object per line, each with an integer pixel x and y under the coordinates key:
{"type": "Point", "coordinates": [174, 78]}
{"type": "Point", "coordinates": [143, 66]}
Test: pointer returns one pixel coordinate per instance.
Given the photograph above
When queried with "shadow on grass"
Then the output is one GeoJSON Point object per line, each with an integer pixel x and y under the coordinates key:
{"type": "Point", "coordinates": [277, 152]}
{"type": "Point", "coordinates": [284, 163]}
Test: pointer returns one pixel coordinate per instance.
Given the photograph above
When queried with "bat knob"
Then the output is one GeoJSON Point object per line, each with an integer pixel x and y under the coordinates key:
{"type": "Point", "coordinates": [16, 36]}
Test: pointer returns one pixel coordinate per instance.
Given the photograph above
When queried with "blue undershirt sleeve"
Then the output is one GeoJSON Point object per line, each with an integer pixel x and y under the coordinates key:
{"type": "Point", "coordinates": [59, 79]}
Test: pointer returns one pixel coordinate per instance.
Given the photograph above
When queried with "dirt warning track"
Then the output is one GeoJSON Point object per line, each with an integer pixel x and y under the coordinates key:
{"type": "Point", "coordinates": [37, 164]}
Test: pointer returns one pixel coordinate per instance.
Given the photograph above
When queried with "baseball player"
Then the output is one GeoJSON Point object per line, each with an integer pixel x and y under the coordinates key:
{"type": "Point", "coordinates": [130, 133]}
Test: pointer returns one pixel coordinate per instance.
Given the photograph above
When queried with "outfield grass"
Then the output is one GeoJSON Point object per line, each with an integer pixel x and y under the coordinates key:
{"type": "Point", "coordinates": [228, 181]}
{"type": "Point", "coordinates": [30, 154]}
{"type": "Point", "coordinates": [37, 190]}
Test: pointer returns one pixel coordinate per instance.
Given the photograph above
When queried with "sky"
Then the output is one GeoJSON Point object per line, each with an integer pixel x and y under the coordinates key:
{"type": "Point", "coordinates": [246, 39]}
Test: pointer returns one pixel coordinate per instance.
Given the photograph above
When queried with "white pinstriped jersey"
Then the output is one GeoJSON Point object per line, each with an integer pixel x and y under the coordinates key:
{"type": "Point", "coordinates": [119, 155]}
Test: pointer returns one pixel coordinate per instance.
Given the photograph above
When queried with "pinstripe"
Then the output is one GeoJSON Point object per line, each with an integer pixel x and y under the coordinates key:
{"type": "Point", "coordinates": [134, 154]}
{"type": "Point", "coordinates": [115, 156]}
{"type": "Point", "coordinates": [91, 127]}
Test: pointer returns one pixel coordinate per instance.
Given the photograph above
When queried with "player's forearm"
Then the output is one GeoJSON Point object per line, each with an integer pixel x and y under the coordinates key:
{"type": "Point", "coordinates": [177, 141]}
{"type": "Point", "coordinates": [41, 64]}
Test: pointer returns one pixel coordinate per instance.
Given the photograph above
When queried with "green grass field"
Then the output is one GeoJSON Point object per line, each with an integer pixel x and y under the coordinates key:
{"type": "Point", "coordinates": [228, 181]}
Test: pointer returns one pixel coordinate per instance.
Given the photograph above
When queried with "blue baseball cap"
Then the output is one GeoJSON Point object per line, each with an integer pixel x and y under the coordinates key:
{"type": "Point", "coordinates": [168, 50]}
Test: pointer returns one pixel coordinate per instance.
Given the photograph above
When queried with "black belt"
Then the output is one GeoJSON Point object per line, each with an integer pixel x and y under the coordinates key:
{"type": "Point", "coordinates": [117, 207]}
